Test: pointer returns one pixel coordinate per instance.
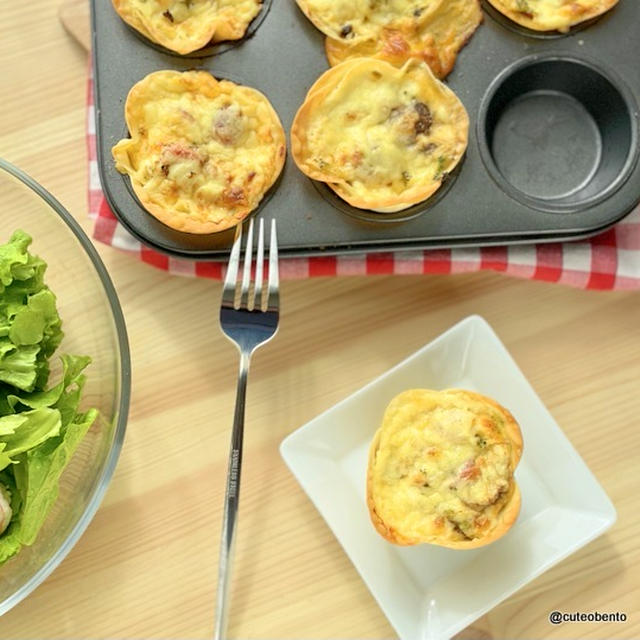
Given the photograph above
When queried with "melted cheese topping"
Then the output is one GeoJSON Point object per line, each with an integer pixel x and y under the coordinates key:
{"type": "Point", "coordinates": [187, 25]}
{"type": "Point", "coordinates": [383, 138]}
{"type": "Point", "coordinates": [436, 40]}
{"type": "Point", "coordinates": [202, 152]}
{"type": "Point", "coordinates": [550, 15]}
{"type": "Point", "coordinates": [358, 20]}
{"type": "Point", "coordinates": [443, 466]}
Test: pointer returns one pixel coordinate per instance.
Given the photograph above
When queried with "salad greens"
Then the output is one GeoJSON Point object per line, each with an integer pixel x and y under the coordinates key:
{"type": "Point", "coordinates": [40, 425]}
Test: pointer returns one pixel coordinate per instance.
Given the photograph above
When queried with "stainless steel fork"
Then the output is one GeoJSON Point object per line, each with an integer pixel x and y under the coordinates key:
{"type": "Point", "coordinates": [249, 318]}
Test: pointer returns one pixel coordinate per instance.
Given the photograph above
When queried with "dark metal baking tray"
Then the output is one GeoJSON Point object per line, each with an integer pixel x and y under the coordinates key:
{"type": "Point", "coordinates": [553, 141]}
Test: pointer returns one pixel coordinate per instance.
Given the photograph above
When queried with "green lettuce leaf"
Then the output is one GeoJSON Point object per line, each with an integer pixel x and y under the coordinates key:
{"type": "Point", "coordinates": [5, 407]}
{"type": "Point", "coordinates": [30, 429]}
{"type": "Point", "coordinates": [72, 367]}
{"type": "Point", "coordinates": [9, 543]}
{"type": "Point", "coordinates": [9, 424]}
{"type": "Point", "coordinates": [30, 327]}
{"type": "Point", "coordinates": [40, 426]}
{"type": "Point", "coordinates": [18, 365]}
{"type": "Point", "coordinates": [13, 258]}
{"type": "Point", "coordinates": [38, 472]}
{"type": "Point", "coordinates": [16, 263]}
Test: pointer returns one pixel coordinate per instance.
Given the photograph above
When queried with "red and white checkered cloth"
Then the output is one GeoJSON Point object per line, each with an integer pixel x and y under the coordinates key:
{"type": "Point", "coordinates": [610, 260]}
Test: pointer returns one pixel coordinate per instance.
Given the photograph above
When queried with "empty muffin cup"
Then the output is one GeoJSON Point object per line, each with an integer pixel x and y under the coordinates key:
{"type": "Point", "coordinates": [558, 133]}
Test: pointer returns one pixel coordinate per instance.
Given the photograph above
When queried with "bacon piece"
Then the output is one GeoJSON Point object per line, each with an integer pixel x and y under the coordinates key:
{"type": "Point", "coordinates": [180, 150]}
{"type": "Point", "coordinates": [234, 196]}
{"type": "Point", "coordinates": [228, 125]}
{"type": "Point", "coordinates": [469, 470]}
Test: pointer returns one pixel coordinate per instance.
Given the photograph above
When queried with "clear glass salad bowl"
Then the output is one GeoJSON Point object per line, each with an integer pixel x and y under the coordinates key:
{"type": "Point", "coordinates": [93, 325]}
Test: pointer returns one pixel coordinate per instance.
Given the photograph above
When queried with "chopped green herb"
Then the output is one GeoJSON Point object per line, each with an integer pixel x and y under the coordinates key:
{"type": "Point", "coordinates": [442, 165]}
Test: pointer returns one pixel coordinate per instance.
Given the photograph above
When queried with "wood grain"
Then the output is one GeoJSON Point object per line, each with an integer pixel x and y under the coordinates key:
{"type": "Point", "coordinates": [146, 566]}
{"type": "Point", "coordinates": [74, 15]}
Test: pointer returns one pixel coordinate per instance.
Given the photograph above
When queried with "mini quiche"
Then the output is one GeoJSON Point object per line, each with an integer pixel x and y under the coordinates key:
{"type": "Point", "coordinates": [441, 470]}
{"type": "Point", "coordinates": [380, 136]}
{"type": "Point", "coordinates": [552, 15]}
{"type": "Point", "coordinates": [187, 25]}
{"type": "Point", "coordinates": [202, 152]}
{"type": "Point", "coordinates": [359, 20]}
{"type": "Point", "coordinates": [446, 28]}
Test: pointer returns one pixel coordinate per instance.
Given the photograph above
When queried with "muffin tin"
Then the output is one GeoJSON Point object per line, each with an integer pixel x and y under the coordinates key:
{"type": "Point", "coordinates": [553, 142]}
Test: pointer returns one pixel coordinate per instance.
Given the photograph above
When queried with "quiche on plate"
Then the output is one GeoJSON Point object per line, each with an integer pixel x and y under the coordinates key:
{"type": "Point", "coordinates": [441, 470]}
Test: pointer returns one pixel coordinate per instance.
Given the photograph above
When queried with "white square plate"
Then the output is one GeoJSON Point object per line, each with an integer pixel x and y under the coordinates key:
{"type": "Point", "coordinates": [429, 592]}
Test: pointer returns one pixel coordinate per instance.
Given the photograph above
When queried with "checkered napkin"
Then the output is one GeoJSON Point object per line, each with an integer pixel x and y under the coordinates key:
{"type": "Point", "coordinates": [610, 260]}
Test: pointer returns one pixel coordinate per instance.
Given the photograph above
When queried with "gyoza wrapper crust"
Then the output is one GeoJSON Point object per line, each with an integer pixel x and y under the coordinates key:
{"type": "Point", "coordinates": [185, 27]}
{"type": "Point", "coordinates": [436, 40]}
{"type": "Point", "coordinates": [552, 15]}
{"type": "Point", "coordinates": [501, 515]}
{"type": "Point", "coordinates": [355, 21]}
{"type": "Point", "coordinates": [428, 157]}
{"type": "Point", "coordinates": [254, 173]}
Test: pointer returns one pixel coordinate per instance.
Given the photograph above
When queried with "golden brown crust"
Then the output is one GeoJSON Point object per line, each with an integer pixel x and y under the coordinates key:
{"type": "Point", "coordinates": [436, 40]}
{"type": "Point", "coordinates": [183, 26]}
{"type": "Point", "coordinates": [550, 15]}
{"type": "Point", "coordinates": [360, 20]}
{"type": "Point", "coordinates": [500, 515]}
{"type": "Point", "coordinates": [202, 152]}
{"type": "Point", "coordinates": [382, 137]}
{"type": "Point", "coordinates": [167, 217]}
{"type": "Point", "coordinates": [386, 531]}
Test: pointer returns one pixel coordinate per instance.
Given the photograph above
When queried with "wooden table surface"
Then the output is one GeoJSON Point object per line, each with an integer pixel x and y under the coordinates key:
{"type": "Point", "coordinates": [146, 566]}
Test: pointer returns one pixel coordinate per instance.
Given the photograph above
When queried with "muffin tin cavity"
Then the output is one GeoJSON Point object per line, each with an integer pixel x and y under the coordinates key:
{"type": "Point", "coordinates": [384, 218]}
{"type": "Point", "coordinates": [587, 175]}
{"type": "Point", "coordinates": [509, 24]}
{"type": "Point", "coordinates": [144, 226]}
{"type": "Point", "coordinates": [557, 133]}
{"type": "Point", "coordinates": [213, 49]}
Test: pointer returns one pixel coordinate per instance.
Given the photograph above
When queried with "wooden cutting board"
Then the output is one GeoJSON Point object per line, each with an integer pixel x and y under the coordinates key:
{"type": "Point", "coordinates": [74, 15]}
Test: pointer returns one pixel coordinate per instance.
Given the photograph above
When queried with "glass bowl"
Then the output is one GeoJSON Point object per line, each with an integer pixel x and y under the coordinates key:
{"type": "Point", "coordinates": [93, 325]}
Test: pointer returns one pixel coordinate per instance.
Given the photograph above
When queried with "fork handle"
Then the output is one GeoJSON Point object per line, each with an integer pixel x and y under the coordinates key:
{"type": "Point", "coordinates": [232, 497]}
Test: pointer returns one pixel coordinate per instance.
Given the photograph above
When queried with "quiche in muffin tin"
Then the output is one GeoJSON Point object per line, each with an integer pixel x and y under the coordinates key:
{"type": "Point", "coordinates": [203, 152]}
{"type": "Point", "coordinates": [382, 137]}
{"type": "Point", "coordinates": [359, 20]}
{"type": "Point", "coordinates": [446, 27]}
{"type": "Point", "coordinates": [552, 15]}
{"type": "Point", "coordinates": [441, 470]}
{"type": "Point", "coordinates": [185, 26]}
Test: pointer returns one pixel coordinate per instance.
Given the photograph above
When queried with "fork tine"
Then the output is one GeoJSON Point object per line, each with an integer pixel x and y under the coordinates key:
{"type": "Point", "coordinates": [229, 287]}
{"type": "Point", "coordinates": [257, 296]}
{"type": "Point", "coordinates": [273, 283]}
{"type": "Point", "coordinates": [246, 273]}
